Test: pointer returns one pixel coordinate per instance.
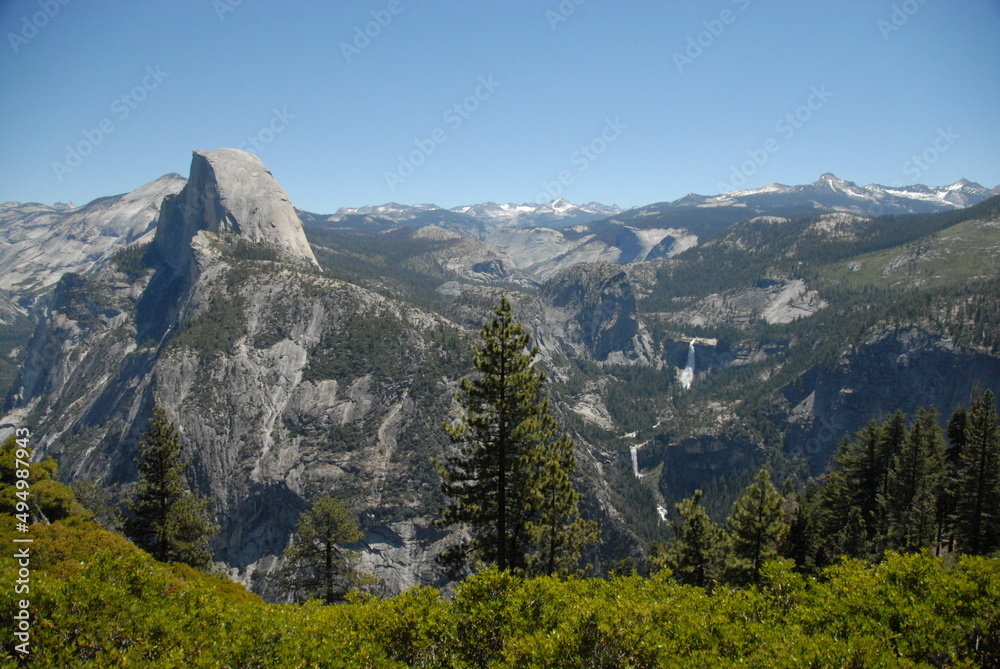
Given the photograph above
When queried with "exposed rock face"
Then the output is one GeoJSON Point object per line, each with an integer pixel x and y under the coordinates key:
{"type": "Point", "coordinates": [544, 252]}
{"type": "Point", "coordinates": [468, 258]}
{"type": "Point", "coordinates": [589, 311]}
{"type": "Point", "coordinates": [695, 463]}
{"type": "Point", "coordinates": [892, 369]}
{"type": "Point", "coordinates": [771, 300]}
{"type": "Point", "coordinates": [40, 243]}
{"type": "Point", "coordinates": [229, 191]}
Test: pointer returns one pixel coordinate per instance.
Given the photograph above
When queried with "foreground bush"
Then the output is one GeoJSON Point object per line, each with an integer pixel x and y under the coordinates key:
{"type": "Point", "coordinates": [97, 601]}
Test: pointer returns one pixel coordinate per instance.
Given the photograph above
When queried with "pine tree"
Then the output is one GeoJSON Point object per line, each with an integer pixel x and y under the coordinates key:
{"type": "Point", "coordinates": [850, 494]}
{"type": "Point", "coordinates": [165, 517]}
{"type": "Point", "coordinates": [754, 528]}
{"type": "Point", "coordinates": [893, 435]}
{"type": "Point", "coordinates": [870, 469]}
{"type": "Point", "coordinates": [978, 514]}
{"type": "Point", "coordinates": [694, 554]}
{"type": "Point", "coordinates": [556, 532]}
{"type": "Point", "coordinates": [852, 507]}
{"type": "Point", "coordinates": [508, 452]}
{"type": "Point", "coordinates": [802, 543]}
{"type": "Point", "coordinates": [947, 504]}
{"type": "Point", "coordinates": [913, 483]}
{"type": "Point", "coordinates": [317, 563]}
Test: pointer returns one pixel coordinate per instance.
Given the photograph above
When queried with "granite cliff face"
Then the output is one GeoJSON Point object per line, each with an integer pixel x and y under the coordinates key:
{"type": "Point", "coordinates": [39, 243]}
{"type": "Point", "coordinates": [589, 312]}
{"type": "Point", "coordinates": [889, 369]}
{"type": "Point", "coordinates": [265, 367]}
{"type": "Point", "coordinates": [229, 191]}
{"type": "Point", "coordinates": [286, 384]}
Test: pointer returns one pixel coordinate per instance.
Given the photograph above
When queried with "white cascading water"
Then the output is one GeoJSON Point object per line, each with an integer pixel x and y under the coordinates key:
{"type": "Point", "coordinates": [687, 374]}
{"type": "Point", "coordinates": [635, 461]}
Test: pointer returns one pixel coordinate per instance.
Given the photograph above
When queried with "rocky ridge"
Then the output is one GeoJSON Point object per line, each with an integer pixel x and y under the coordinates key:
{"type": "Point", "coordinates": [40, 243]}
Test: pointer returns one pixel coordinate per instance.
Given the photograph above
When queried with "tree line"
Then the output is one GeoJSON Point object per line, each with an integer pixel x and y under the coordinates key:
{"type": "Point", "coordinates": [899, 485]}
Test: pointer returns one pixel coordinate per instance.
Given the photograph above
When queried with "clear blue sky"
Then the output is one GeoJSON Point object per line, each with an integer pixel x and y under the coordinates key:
{"type": "Point", "coordinates": [661, 115]}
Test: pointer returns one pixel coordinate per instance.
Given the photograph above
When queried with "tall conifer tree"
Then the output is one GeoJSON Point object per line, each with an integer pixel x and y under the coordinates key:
{"type": "Point", "coordinates": [849, 497]}
{"type": "Point", "coordinates": [318, 563]}
{"type": "Point", "coordinates": [978, 514]}
{"type": "Point", "coordinates": [913, 483]}
{"type": "Point", "coordinates": [694, 555]}
{"type": "Point", "coordinates": [165, 517]}
{"type": "Point", "coordinates": [893, 437]}
{"type": "Point", "coordinates": [509, 481]}
{"type": "Point", "coordinates": [556, 532]}
{"type": "Point", "coordinates": [755, 527]}
{"type": "Point", "coordinates": [947, 504]}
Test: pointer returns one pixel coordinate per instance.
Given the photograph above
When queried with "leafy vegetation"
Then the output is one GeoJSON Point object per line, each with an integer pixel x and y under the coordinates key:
{"type": "Point", "coordinates": [97, 601]}
{"type": "Point", "coordinates": [48, 501]}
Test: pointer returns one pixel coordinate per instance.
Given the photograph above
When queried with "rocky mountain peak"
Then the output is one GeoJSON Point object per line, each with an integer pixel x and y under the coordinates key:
{"type": "Point", "coordinates": [229, 191]}
{"type": "Point", "coordinates": [590, 311]}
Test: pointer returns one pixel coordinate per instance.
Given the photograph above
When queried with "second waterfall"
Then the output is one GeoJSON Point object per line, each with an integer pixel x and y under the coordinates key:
{"type": "Point", "coordinates": [686, 376]}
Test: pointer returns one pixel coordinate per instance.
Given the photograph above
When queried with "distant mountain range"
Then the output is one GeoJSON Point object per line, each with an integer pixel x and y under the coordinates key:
{"type": "Point", "coordinates": [827, 194]}
{"type": "Point", "coordinates": [38, 242]}
{"type": "Point", "coordinates": [540, 240]}
{"type": "Point", "coordinates": [556, 214]}
{"type": "Point", "coordinates": [831, 193]}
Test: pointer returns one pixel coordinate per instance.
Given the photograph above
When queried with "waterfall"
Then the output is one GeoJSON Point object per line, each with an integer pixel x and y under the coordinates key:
{"type": "Point", "coordinates": [686, 376]}
{"type": "Point", "coordinates": [635, 461]}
